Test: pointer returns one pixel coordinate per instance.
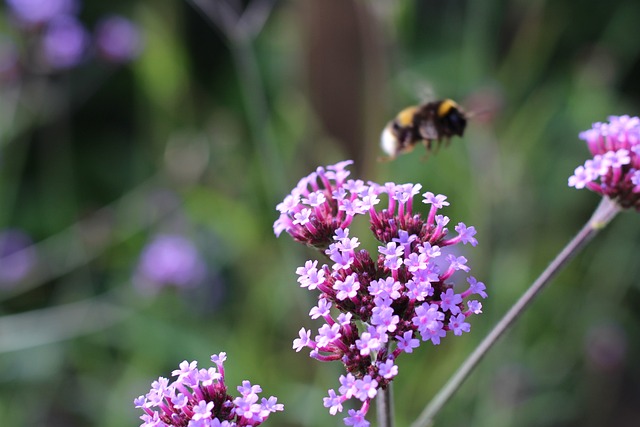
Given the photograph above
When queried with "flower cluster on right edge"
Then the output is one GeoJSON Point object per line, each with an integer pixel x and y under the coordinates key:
{"type": "Point", "coordinates": [387, 302]}
{"type": "Point", "coordinates": [614, 170]}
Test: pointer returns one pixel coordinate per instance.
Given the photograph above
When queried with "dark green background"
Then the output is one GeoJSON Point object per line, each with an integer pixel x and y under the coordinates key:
{"type": "Point", "coordinates": [211, 127]}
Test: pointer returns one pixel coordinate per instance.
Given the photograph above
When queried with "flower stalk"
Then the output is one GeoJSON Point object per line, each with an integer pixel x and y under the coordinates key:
{"type": "Point", "coordinates": [604, 213]}
{"type": "Point", "coordinates": [614, 173]}
{"type": "Point", "coordinates": [384, 407]}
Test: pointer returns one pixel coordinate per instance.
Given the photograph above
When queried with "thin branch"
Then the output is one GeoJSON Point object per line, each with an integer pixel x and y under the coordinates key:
{"type": "Point", "coordinates": [54, 324]}
{"type": "Point", "coordinates": [384, 407]}
{"type": "Point", "coordinates": [603, 214]}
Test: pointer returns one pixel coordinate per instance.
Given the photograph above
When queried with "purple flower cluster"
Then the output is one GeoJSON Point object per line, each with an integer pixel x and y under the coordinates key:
{"type": "Point", "coordinates": [312, 212]}
{"type": "Point", "coordinates": [64, 42]}
{"type": "Point", "coordinates": [402, 295]}
{"type": "Point", "coordinates": [614, 170]}
{"type": "Point", "coordinates": [198, 398]}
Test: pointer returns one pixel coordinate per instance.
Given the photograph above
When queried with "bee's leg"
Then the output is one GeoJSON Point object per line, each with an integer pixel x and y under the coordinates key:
{"type": "Point", "coordinates": [437, 144]}
{"type": "Point", "coordinates": [427, 147]}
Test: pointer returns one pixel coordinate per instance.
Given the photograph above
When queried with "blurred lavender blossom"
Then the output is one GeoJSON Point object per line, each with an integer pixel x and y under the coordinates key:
{"type": "Point", "coordinates": [64, 43]}
{"type": "Point", "coordinates": [17, 257]}
{"type": "Point", "coordinates": [117, 39]}
{"type": "Point", "coordinates": [35, 12]}
{"type": "Point", "coordinates": [169, 260]}
{"type": "Point", "coordinates": [62, 40]}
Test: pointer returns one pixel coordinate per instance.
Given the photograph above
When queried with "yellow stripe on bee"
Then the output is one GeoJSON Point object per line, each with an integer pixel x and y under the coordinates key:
{"type": "Point", "coordinates": [446, 106]}
{"type": "Point", "coordinates": [405, 117]}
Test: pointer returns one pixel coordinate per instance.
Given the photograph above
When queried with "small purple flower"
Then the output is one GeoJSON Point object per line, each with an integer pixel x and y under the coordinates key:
{"type": "Point", "coordinates": [17, 257]}
{"type": "Point", "coordinates": [327, 335]}
{"type": "Point", "coordinates": [34, 12]}
{"type": "Point", "coordinates": [613, 170]}
{"type": "Point", "coordinates": [333, 402]}
{"type": "Point", "coordinates": [366, 388]}
{"type": "Point", "coordinates": [407, 343]}
{"type": "Point", "coordinates": [169, 260]}
{"type": "Point", "coordinates": [347, 288]}
{"type": "Point", "coordinates": [388, 369]}
{"type": "Point", "coordinates": [458, 325]}
{"type": "Point", "coordinates": [64, 42]}
{"type": "Point", "coordinates": [200, 398]}
{"type": "Point", "coordinates": [476, 287]}
{"type": "Point", "coordinates": [118, 39]}
{"type": "Point", "coordinates": [475, 306]}
{"type": "Point", "coordinates": [304, 340]}
{"type": "Point", "coordinates": [451, 301]}
{"type": "Point", "coordinates": [356, 419]}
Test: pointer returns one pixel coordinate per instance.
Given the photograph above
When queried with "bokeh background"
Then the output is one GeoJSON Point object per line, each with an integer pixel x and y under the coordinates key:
{"type": "Point", "coordinates": [140, 166]}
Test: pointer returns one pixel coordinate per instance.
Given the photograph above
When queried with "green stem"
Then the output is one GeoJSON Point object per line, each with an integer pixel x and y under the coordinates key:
{"type": "Point", "coordinates": [603, 214]}
{"type": "Point", "coordinates": [240, 31]}
{"type": "Point", "coordinates": [384, 407]}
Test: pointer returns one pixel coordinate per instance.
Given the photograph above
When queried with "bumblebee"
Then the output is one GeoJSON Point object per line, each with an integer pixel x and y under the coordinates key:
{"type": "Point", "coordinates": [431, 123]}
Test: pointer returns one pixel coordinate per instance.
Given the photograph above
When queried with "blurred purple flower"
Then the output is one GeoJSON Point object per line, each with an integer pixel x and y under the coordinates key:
{"type": "Point", "coordinates": [118, 39]}
{"type": "Point", "coordinates": [33, 12]}
{"type": "Point", "coordinates": [17, 257]}
{"type": "Point", "coordinates": [169, 260]}
{"type": "Point", "coordinates": [9, 59]}
{"type": "Point", "coordinates": [64, 42]}
{"type": "Point", "coordinates": [606, 347]}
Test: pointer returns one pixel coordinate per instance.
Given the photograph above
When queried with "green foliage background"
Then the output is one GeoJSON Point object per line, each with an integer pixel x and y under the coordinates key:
{"type": "Point", "coordinates": [215, 123]}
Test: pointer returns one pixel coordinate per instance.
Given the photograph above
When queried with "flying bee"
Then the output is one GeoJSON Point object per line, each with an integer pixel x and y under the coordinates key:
{"type": "Point", "coordinates": [432, 123]}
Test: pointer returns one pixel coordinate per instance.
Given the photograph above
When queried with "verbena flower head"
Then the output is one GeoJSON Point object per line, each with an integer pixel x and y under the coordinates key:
{"type": "Point", "coordinates": [118, 39]}
{"type": "Point", "coordinates": [199, 398]}
{"type": "Point", "coordinates": [388, 301]}
{"type": "Point", "coordinates": [64, 42]}
{"type": "Point", "coordinates": [169, 260]}
{"type": "Point", "coordinates": [614, 170]}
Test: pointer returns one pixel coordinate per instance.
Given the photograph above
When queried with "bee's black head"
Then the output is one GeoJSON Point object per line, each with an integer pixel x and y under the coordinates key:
{"type": "Point", "coordinates": [452, 118]}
